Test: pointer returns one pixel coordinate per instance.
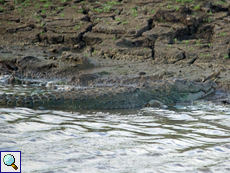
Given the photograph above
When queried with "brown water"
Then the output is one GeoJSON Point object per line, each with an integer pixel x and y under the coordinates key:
{"type": "Point", "coordinates": [185, 138]}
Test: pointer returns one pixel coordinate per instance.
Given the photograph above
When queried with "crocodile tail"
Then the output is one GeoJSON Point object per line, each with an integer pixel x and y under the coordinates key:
{"type": "Point", "coordinates": [92, 98]}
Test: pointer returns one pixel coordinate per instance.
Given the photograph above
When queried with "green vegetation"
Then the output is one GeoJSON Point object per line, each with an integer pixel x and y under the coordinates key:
{"type": "Point", "coordinates": [226, 56]}
{"type": "Point", "coordinates": [207, 20]}
{"type": "Point", "coordinates": [202, 55]}
{"type": "Point", "coordinates": [222, 33]}
{"type": "Point", "coordinates": [62, 14]}
{"type": "Point", "coordinates": [97, 19]}
{"type": "Point", "coordinates": [107, 7]}
{"type": "Point", "coordinates": [134, 12]}
{"type": "Point", "coordinates": [78, 26]}
{"type": "Point", "coordinates": [46, 5]}
{"type": "Point", "coordinates": [118, 19]}
{"type": "Point", "coordinates": [209, 13]}
{"type": "Point", "coordinates": [169, 6]}
{"type": "Point", "coordinates": [220, 2]}
{"type": "Point", "coordinates": [37, 6]}
{"type": "Point", "coordinates": [185, 1]}
{"type": "Point", "coordinates": [197, 7]}
{"type": "Point", "coordinates": [38, 18]}
{"type": "Point", "coordinates": [117, 11]}
{"type": "Point", "coordinates": [113, 3]}
{"type": "Point", "coordinates": [98, 10]}
{"type": "Point", "coordinates": [125, 22]}
{"type": "Point", "coordinates": [80, 11]}
{"type": "Point", "coordinates": [60, 8]}
{"type": "Point", "coordinates": [161, 19]}
{"type": "Point", "coordinates": [209, 44]}
{"type": "Point", "coordinates": [103, 73]}
{"type": "Point", "coordinates": [198, 43]}
{"type": "Point", "coordinates": [42, 24]}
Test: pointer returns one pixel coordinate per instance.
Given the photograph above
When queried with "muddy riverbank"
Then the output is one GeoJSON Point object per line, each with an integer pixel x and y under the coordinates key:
{"type": "Point", "coordinates": [90, 42]}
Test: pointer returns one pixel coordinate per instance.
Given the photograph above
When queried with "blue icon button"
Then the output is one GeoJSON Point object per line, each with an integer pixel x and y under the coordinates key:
{"type": "Point", "coordinates": [9, 160]}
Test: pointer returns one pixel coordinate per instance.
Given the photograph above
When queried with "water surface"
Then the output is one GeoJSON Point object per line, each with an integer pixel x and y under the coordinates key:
{"type": "Point", "coordinates": [192, 137]}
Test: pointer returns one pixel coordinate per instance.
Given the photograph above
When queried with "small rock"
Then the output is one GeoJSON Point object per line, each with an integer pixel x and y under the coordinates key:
{"type": "Point", "coordinates": [142, 73]}
{"type": "Point", "coordinates": [79, 45]}
{"type": "Point", "coordinates": [163, 15]}
{"type": "Point", "coordinates": [53, 50]}
{"type": "Point", "coordinates": [155, 104]}
{"type": "Point", "coordinates": [43, 15]}
{"type": "Point", "coordinates": [185, 10]}
{"type": "Point", "coordinates": [226, 102]}
{"type": "Point", "coordinates": [53, 57]}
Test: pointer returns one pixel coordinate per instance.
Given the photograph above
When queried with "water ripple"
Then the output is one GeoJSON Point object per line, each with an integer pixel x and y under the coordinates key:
{"type": "Point", "coordinates": [186, 138]}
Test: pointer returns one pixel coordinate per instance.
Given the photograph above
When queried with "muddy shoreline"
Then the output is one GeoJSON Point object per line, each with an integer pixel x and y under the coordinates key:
{"type": "Point", "coordinates": [115, 42]}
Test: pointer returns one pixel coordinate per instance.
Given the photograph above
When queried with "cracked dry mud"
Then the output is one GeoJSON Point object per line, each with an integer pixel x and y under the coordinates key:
{"type": "Point", "coordinates": [121, 41]}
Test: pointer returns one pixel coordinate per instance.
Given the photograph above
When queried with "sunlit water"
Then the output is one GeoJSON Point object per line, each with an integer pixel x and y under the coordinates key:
{"type": "Point", "coordinates": [193, 137]}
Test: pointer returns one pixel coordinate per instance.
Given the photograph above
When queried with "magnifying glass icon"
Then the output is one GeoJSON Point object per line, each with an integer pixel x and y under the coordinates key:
{"type": "Point", "coordinates": [9, 160]}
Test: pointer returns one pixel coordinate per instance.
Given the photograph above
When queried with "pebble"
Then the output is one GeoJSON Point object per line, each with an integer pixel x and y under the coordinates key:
{"type": "Point", "coordinates": [142, 73]}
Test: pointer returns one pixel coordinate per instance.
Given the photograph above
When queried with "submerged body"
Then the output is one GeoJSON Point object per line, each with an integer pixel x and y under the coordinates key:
{"type": "Point", "coordinates": [171, 90]}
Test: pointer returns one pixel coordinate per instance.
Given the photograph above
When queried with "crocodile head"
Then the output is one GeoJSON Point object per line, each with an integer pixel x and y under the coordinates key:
{"type": "Point", "coordinates": [178, 90]}
{"type": "Point", "coordinates": [189, 90]}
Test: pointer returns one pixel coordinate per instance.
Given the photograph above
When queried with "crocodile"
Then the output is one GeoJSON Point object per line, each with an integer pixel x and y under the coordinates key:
{"type": "Point", "coordinates": [167, 91]}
